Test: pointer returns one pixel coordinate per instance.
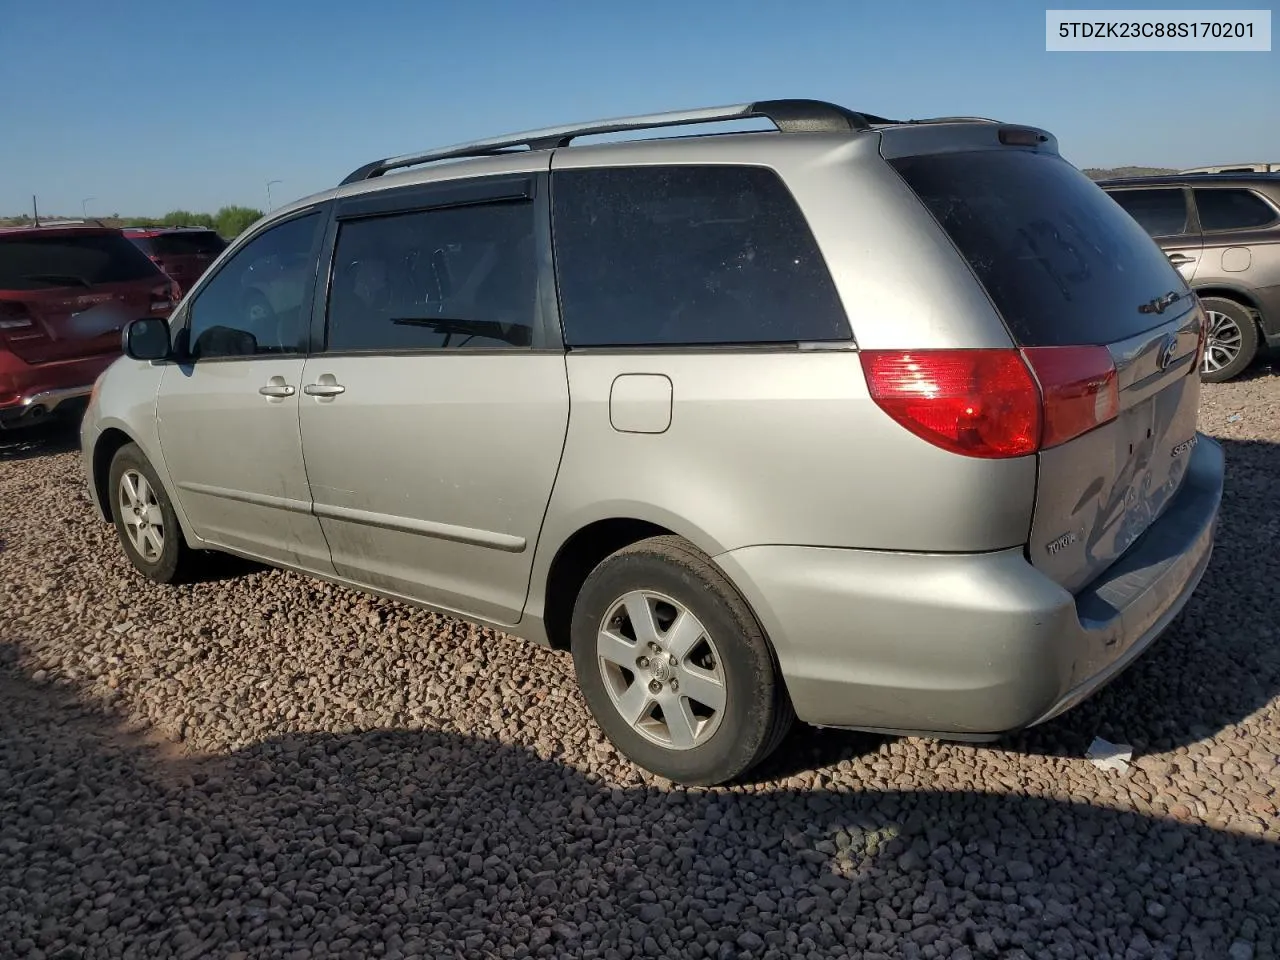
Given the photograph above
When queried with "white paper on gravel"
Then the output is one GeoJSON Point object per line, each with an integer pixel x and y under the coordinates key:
{"type": "Point", "coordinates": [1109, 756]}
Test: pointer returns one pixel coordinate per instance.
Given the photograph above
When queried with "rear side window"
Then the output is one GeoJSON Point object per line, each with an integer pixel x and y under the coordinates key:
{"type": "Point", "coordinates": [42, 263]}
{"type": "Point", "coordinates": [1161, 212]}
{"type": "Point", "coordinates": [186, 244]}
{"type": "Point", "coordinates": [1061, 262]}
{"type": "Point", "coordinates": [685, 255]}
{"type": "Point", "coordinates": [452, 278]}
{"type": "Point", "coordinates": [1232, 210]}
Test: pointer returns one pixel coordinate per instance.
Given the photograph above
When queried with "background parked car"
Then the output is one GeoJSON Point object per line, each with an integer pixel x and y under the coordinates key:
{"type": "Point", "coordinates": [66, 292]}
{"type": "Point", "coordinates": [1222, 232]}
{"type": "Point", "coordinates": [184, 253]}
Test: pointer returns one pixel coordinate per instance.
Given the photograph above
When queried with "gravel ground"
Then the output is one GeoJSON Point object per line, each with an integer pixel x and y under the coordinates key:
{"type": "Point", "coordinates": [261, 765]}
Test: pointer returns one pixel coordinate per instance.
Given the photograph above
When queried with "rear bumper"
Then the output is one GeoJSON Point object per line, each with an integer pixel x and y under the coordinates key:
{"type": "Point", "coordinates": [28, 392]}
{"type": "Point", "coordinates": [970, 645]}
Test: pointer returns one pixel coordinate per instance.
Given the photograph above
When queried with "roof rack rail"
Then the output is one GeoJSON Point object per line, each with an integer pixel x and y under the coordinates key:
{"type": "Point", "coordinates": [789, 116]}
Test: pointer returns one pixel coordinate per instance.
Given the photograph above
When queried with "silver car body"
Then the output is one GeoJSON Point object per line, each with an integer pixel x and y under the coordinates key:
{"type": "Point", "coordinates": [903, 587]}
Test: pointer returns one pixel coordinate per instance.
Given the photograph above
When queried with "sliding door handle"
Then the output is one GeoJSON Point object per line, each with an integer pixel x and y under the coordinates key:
{"type": "Point", "coordinates": [323, 389]}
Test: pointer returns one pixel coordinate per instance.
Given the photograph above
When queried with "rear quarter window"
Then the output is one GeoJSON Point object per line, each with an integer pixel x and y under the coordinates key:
{"type": "Point", "coordinates": [39, 263]}
{"type": "Point", "coordinates": [685, 255]}
{"type": "Point", "coordinates": [1061, 262]}
{"type": "Point", "coordinates": [1228, 209]}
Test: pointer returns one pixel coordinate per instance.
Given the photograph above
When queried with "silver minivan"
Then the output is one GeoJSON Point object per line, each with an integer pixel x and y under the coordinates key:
{"type": "Point", "coordinates": [884, 425]}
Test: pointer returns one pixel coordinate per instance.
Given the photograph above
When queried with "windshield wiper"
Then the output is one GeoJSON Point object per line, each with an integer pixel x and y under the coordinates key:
{"type": "Point", "coordinates": [58, 278]}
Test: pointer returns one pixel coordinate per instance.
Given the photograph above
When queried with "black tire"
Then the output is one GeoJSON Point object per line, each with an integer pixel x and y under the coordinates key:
{"type": "Point", "coordinates": [176, 562]}
{"type": "Point", "coordinates": [757, 712]}
{"type": "Point", "coordinates": [1243, 319]}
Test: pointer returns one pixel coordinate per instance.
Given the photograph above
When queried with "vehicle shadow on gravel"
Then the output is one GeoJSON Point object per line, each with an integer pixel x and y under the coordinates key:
{"type": "Point", "coordinates": [433, 844]}
{"type": "Point", "coordinates": [26, 443]}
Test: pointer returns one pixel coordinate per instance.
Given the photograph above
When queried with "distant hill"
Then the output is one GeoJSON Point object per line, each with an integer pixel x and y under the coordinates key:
{"type": "Point", "coordinates": [1106, 173]}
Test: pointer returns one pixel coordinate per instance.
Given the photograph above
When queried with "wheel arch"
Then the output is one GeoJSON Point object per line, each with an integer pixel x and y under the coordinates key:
{"type": "Point", "coordinates": [111, 438]}
{"type": "Point", "coordinates": [579, 543]}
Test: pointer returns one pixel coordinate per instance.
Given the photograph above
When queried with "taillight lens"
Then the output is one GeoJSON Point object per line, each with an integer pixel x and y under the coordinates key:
{"type": "Point", "coordinates": [995, 403]}
{"type": "Point", "coordinates": [1079, 388]}
{"type": "Point", "coordinates": [14, 316]}
{"type": "Point", "coordinates": [164, 297]}
{"type": "Point", "coordinates": [979, 403]}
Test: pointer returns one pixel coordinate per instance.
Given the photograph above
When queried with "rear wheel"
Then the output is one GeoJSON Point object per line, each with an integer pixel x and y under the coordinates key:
{"type": "Point", "coordinates": [145, 519]}
{"type": "Point", "coordinates": [674, 666]}
{"type": "Point", "coordinates": [1232, 342]}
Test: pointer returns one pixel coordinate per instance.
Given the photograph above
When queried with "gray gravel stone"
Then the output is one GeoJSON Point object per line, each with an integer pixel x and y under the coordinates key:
{"type": "Point", "coordinates": [263, 765]}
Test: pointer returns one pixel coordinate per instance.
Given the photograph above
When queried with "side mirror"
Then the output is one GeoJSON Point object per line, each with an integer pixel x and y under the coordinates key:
{"type": "Point", "coordinates": [147, 339]}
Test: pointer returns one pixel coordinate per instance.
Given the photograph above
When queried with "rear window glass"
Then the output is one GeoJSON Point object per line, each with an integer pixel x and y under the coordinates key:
{"type": "Point", "coordinates": [40, 263]}
{"type": "Point", "coordinates": [1161, 212]}
{"type": "Point", "coordinates": [186, 244]}
{"type": "Point", "coordinates": [1061, 262]}
{"type": "Point", "coordinates": [688, 255]}
{"type": "Point", "coordinates": [1232, 210]}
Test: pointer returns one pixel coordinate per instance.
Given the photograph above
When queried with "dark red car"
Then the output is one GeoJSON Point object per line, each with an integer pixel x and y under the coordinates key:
{"type": "Point", "coordinates": [66, 292]}
{"type": "Point", "coordinates": [184, 253]}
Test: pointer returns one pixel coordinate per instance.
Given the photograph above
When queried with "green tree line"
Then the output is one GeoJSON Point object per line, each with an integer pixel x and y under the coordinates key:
{"type": "Point", "coordinates": [229, 221]}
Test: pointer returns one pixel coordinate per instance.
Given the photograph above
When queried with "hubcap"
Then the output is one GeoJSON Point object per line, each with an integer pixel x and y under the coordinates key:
{"type": "Point", "coordinates": [662, 670]}
{"type": "Point", "coordinates": [1223, 343]}
{"type": "Point", "coordinates": [143, 521]}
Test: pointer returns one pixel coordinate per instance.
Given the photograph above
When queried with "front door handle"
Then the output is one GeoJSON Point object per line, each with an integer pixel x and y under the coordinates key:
{"type": "Point", "coordinates": [276, 387]}
{"type": "Point", "coordinates": [326, 387]}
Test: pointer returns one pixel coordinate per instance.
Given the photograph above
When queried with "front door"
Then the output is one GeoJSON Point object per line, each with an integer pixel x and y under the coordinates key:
{"type": "Point", "coordinates": [434, 417]}
{"type": "Point", "coordinates": [228, 414]}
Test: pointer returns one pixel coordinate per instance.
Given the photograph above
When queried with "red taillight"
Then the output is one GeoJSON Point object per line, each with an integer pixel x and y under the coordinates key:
{"type": "Point", "coordinates": [995, 403]}
{"type": "Point", "coordinates": [164, 297]}
{"type": "Point", "coordinates": [980, 403]}
{"type": "Point", "coordinates": [1079, 388]}
{"type": "Point", "coordinates": [14, 316]}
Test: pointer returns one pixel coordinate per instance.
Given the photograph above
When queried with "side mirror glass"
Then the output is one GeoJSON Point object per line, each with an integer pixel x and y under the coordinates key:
{"type": "Point", "coordinates": [147, 339]}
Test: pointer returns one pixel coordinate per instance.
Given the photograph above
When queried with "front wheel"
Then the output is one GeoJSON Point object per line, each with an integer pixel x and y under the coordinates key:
{"type": "Point", "coordinates": [145, 519]}
{"type": "Point", "coordinates": [674, 666]}
{"type": "Point", "coordinates": [1232, 341]}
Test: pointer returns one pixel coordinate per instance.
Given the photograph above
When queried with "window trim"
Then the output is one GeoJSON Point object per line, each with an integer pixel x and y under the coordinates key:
{"type": "Point", "coordinates": [229, 253]}
{"type": "Point", "coordinates": [1190, 226]}
{"type": "Point", "coordinates": [1266, 201]}
{"type": "Point", "coordinates": [848, 342]}
{"type": "Point", "coordinates": [448, 194]}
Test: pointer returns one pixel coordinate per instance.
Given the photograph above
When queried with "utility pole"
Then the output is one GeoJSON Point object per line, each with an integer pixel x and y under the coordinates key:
{"type": "Point", "coordinates": [35, 210]}
{"type": "Point", "coordinates": [269, 183]}
{"type": "Point", "coordinates": [84, 206]}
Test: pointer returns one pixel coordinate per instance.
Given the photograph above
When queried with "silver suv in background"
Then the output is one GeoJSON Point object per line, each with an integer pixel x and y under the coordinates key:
{"type": "Point", "coordinates": [1222, 232]}
{"type": "Point", "coordinates": [884, 425]}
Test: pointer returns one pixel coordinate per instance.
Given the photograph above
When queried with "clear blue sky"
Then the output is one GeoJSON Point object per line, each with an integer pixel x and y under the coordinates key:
{"type": "Point", "coordinates": [147, 106]}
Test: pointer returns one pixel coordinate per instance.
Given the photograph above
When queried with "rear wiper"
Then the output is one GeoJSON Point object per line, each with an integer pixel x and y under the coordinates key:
{"type": "Point", "coordinates": [1159, 304]}
{"type": "Point", "coordinates": [58, 278]}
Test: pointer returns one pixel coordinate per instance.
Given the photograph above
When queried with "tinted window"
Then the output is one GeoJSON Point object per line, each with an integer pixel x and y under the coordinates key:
{"type": "Point", "coordinates": [187, 244]}
{"type": "Point", "coordinates": [453, 278]}
{"type": "Point", "coordinates": [688, 255]}
{"type": "Point", "coordinates": [1162, 213]}
{"type": "Point", "coordinates": [41, 263]}
{"type": "Point", "coordinates": [253, 305]}
{"type": "Point", "coordinates": [1062, 263]}
{"type": "Point", "coordinates": [1232, 210]}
